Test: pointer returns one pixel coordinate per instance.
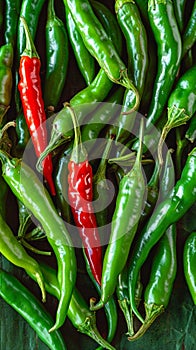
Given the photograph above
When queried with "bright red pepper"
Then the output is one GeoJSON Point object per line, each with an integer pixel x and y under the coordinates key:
{"type": "Point", "coordinates": [80, 195]}
{"type": "Point", "coordinates": [33, 105]}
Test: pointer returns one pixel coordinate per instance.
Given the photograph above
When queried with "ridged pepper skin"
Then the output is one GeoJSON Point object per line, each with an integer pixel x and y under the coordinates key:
{"type": "Point", "coordinates": [6, 62]}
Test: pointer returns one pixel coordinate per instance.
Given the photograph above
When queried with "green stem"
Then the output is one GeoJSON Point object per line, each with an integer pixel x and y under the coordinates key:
{"type": "Point", "coordinates": [33, 249]}
{"type": "Point", "coordinates": [30, 49]}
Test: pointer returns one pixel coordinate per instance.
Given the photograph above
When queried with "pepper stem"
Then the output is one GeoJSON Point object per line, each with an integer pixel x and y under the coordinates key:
{"type": "Point", "coordinates": [33, 249]}
{"type": "Point", "coordinates": [101, 171]}
{"type": "Point", "coordinates": [7, 126]}
{"type": "Point", "coordinates": [89, 328]}
{"type": "Point", "coordinates": [176, 117]}
{"type": "Point", "coordinates": [152, 312]}
{"type": "Point", "coordinates": [78, 154]}
{"type": "Point", "coordinates": [30, 49]}
{"type": "Point", "coordinates": [51, 12]}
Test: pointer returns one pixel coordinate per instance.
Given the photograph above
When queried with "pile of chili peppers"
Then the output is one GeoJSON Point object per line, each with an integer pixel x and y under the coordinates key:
{"type": "Point", "coordinates": [98, 189]}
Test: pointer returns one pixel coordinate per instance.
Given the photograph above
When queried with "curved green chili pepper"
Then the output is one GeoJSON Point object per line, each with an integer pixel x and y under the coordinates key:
{"type": "Point", "coordinates": [56, 58]}
{"type": "Point", "coordinates": [169, 48]}
{"type": "Point", "coordinates": [14, 252]}
{"type": "Point", "coordinates": [130, 22]}
{"type": "Point", "coordinates": [3, 196]}
{"type": "Point", "coordinates": [180, 199]}
{"type": "Point", "coordinates": [189, 263]}
{"type": "Point", "coordinates": [20, 179]}
{"type": "Point", "coordinates": [99, 44]}
{"type": "Point", "coordinates": [181, 105]}
{"type": "Point", "coordinates": [79, 314]}
{"type": "Point", "coordinates": [128, 205]}
{"type": "Point", "coordinates": [109, 23]}
{"type": "Point", "coordinates": [26, 304]}
{"type": "Point", "coordinates": [12, 13]}
{"type": "Point", "coordinates": [85, 61]}
{"type": "Point", "coordinates": [164, 265]}
{"type": "Point", "coordinates": [188, 37]}
{"type": "Point", "coordinates": [6, 61]}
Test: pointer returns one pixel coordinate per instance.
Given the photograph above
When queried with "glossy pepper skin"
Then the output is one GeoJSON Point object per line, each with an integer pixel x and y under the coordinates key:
{"type": "Point", "coordinates": [98, 43]}
{"type": "Point", "coordinates": [123, 228]}
{"type": "Point", "coordinates": [169, 49]}
{"type": "Point", "coordinates": [130, 22]}
{"type": "Point", "coordinates": [57, 54]}
{"type": "Point", "coordinates": [6, 62]}
{"type": "Point", "coordinates": [80, 195]}
{"type": "Point", "coordinates": [12, 12]}
{"type": "Point", "coordinates": [85, 61]}
{"type": "Point", "coordinates": [26, 304]}
{"type": "Point", "coordinates": [189, 263]}
{"type": "Point", "coordinates": [191, 132]}
{"type": "Point", "coordinates": [14, 252]}
{"type": "Point", "coordinates": [179, 8]}
{"type": "Point", "coordinates": [33, 105]}
{"type": "Point", "coordinates": [20, 179]}
{"type": "Point", "coordinates": [79, 314]}
{"type": "Point", "coordinates": [179, 200]}
{"type": "Point", "coordinates": [188, 37]}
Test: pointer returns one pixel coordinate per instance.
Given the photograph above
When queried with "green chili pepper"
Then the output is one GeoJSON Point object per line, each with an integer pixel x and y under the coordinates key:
{"type": "Point", "coordinates": [122, 291]}
{"type": "Point", "coordinates": [189, 261]}
{"type": "Point", "coordinates": [179, 8]}
{"type": "Point", "coordinates": [164, 265]}
{"type": "Point", "coordinates": [78, 313]}
{"type": "Point", "coordinates": [56, 58]}
{"type": "Point", "coordinates": [130, 22]}
{"type": "Point", "coordinates": [14, 252]}
{"type": "Point", "coordinates": [109, 23]}
{"type": "Point", "coordinates": [6, 61]}
{"type": "Point", "coordinates": [191, 132]}
{"type": "Point", "coordinates": [167, 36]}
{"type": "Point", "coordinates": [22, 131]}
{"type": "Point", "coordinates": [25, 303]}
{"type": "Point", "coordinates": [188, 37]}
{"type": "Point", "coordinates": [99, 44]}
{"type": "Point", "coordinates": [169, 211]}
{"type": "Point", "coordinates": [20, 179]}
{"type": "Point", "coordinates": [12, 12]}
{"type": "Point", "coordinates": [3, 196]}
{"type": "Point", "coordinates": [181, 105]}
{"type": "Point", "coordinates": [85, 61]}
{"type": "Point", "coordinates": [123, 227]}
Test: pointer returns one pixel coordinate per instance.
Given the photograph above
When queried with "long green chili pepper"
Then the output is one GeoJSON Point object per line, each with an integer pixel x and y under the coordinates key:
{"type": "Point", "coordinates": [85, 61]}
{"type": "Point", "coordinates": [164, 265]}
{"type": "Point", "coordinates": [128, 206]}
{"type": "Point", "coordinates": [78, 313]}
{"type": "Point", "coordinates": [189, 263]}
{"type": "Point", "coordinates": [26, 304]}
{"type": "Point", "coordinates": [181, 105]}
{"type": "Point", "coordinates": [99, 44]}
{"type": "Point", "coordinates": [14, 252]}
{"type": "Point", "coordinates": [169, 211]}
{"type": "Point", "coordinates": [30, 191]}
{"type": "Point", "coordinates": [130, 22]}
{"type": "Point", "coordinates": [12, 13]}
{"type": "Point", "coordinates": [179, 8]}
{"type": "Point", "coordinates": [109, 23]}
{"type": "Point", "coordinates": [6, 62]}
{"type": "Point", "coordinates": [56, 58]}
{"type": "Point", "coordinates": [169, 48]}
{"type": "Point", "coordinates": [188, 37]}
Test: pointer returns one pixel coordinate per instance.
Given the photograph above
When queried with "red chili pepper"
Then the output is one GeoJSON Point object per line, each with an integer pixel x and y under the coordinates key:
{"type": "Point", "coordinates": [33, 105]}
{"type": "Point", "coordinates": [80, 195]}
